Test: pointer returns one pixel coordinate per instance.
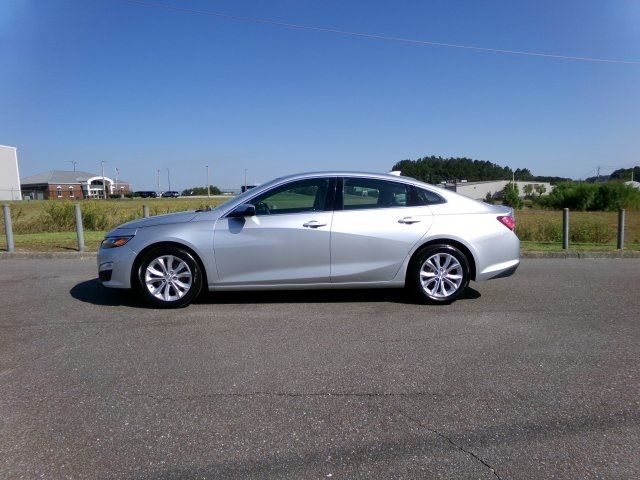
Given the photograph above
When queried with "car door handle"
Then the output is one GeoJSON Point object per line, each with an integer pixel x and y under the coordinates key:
{"type": "Point", "coordinates": [408, 220]}
{"type": "Point", "coordinates": [313, 224]}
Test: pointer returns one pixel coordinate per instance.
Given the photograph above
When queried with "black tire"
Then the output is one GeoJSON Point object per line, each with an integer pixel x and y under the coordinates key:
{"type": "Point", "coordinates": [436, 285]}
{"type": "Point", "coordinates": [170, 290]}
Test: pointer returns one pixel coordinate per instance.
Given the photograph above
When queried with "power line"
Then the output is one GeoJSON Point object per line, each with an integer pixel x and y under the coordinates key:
{"type": "Point", "coordinates": [628, 165]}
{"type": "Point", "coordinates": [598, 170]}
{"type": "Point", "coordinates": [586, 175]}
{"type": "Point", "coordinates": [263, 21]}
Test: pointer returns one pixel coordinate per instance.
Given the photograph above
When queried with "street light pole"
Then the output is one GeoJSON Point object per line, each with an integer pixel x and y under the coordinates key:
{"type": "Point", "coordinates": [158, 175]}
{"type": "Point", "coordinates": [245, 179]}
{"type": "Point", "coordinates": [104, 183]}
{"type": "Point", "coordinates": [73, 162]}
{"type": "Point", "coordinates": [208, 184]}
{"type": "Point", "coordinates": [168, 180]}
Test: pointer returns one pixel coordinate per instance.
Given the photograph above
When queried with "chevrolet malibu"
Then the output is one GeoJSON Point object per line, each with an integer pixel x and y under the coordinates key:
{"type": "Point", "coordinates": [312, 231]}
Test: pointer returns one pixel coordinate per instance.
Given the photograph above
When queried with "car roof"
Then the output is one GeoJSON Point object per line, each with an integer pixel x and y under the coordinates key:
{"type": "Point", "coordinates": [350, 173]}
{"type": "Point", "coordinates": [353, 173]}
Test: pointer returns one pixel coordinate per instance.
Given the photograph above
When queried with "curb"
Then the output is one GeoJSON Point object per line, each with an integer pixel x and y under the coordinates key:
{"type": "Point", "coordinates": [46, 255]}
{"type": "Point", "coordinates": [527, 255]}
{"type": "Point", "coordinates": [615, 254]}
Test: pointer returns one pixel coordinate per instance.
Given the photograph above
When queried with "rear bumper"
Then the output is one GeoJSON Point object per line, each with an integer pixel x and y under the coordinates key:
{"type": "Point", "coordinates": [499, 270]}
{"type": "Point", "coordinates": [507, 272]}
{"type": "Point", "coordinates": [499, 256]}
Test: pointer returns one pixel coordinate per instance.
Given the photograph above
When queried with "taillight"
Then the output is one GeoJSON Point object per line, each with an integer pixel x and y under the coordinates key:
{"type": "Point", "coordinates": [508, 222]}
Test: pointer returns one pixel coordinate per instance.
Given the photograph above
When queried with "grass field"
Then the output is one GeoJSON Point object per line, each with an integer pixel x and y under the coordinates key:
{"type": "Point", "coordinates": [50, 225]}
{"type": "Point", "coordinates": [97, 215]}
{"type": "Point", "coordinates": [585, 227]}
{"type": "Point", "coordinates": [54, 242]}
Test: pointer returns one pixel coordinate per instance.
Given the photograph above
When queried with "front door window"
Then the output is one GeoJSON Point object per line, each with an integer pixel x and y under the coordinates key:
{"type": "Point", "coordinates": [296, 197]}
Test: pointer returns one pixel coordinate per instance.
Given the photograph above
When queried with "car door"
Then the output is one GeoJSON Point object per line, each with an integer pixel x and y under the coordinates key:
{"type": "Point", "coordinates": [286, 242]}
{"type": "Point", "coordinates": [374, 229]}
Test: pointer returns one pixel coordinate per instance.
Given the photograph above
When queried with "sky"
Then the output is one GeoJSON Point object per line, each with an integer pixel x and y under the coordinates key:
{"type": "Point", "coordinates": [146, 88]}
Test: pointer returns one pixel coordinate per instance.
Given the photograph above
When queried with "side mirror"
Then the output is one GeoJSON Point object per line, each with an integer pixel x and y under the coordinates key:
{"type": "Point", "coordinates": [244, 210]}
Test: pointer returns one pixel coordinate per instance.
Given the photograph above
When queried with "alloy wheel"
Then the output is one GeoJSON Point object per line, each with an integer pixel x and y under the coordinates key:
{"type": "Point", "coordinates": [168, 278]}
{"type": "Point", "coordinates": [441, 275]}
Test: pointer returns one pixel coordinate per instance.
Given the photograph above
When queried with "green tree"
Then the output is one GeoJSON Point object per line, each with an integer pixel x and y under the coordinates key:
{"type": "Point", "coordinates": [523, 174]}
{"type": "Point", "coordinates": [607, 196]}
{"type": "Point", "coordinates": [200, 191]}
{"type": "Point", "coordinates": [540, 189]}
{"type": "Point", "coordinates": [511, 196]}
{"type": "Point", "coordinates": [528, 190]}
{"type": "Point", "coordinates": [625, 174]}
{"type": "Point", "coordinates": [488, 198]}
{"type": "Point", "coordinates": [437, 169]}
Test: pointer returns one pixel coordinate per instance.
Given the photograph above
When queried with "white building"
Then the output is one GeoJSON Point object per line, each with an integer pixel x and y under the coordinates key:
{"type": "Point", "coordinates": [479, 190]}
{"type": "Point", "coordinates": [9, 176]}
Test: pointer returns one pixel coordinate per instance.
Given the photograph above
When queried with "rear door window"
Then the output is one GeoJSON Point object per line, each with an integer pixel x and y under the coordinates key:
{"type": "Point", "coordinates": [366, 193]}
{"type": "Point", "coordinates": [422, 196]}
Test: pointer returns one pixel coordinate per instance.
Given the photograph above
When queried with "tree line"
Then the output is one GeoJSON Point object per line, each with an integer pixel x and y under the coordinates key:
{"type": "Point", "coordinates": [608, 194]}
{"type": "Point", "coordinates": [622, 174]}
{"type": "Point", "coordinates": [437, 169]}
{"type": "Point", "coordinates": [200, 191]}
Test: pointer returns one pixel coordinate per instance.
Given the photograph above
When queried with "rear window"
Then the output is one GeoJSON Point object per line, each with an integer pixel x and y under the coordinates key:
{"type": "Point", "coordinates": [421, 196]}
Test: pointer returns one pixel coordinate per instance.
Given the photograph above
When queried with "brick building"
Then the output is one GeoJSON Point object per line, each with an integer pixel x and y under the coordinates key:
{"type": "Point", "coordinates": [62, 184]}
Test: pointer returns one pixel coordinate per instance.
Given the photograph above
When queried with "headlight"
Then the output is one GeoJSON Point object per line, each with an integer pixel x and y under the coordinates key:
{"type": "Point", "coordinates": [113, 242]}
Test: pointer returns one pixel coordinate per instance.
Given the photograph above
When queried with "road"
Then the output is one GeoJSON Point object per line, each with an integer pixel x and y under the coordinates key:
{"type": "Point", "coordinates": [534, 376]}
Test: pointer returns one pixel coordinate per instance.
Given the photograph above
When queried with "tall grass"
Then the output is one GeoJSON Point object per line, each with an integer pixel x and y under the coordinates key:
{"type": "Point", "coordinates": [584, 227]}
{"type": "Point", "coordinates": [97, 215]}
{"type": "Point", "coordinates": [549, 230]}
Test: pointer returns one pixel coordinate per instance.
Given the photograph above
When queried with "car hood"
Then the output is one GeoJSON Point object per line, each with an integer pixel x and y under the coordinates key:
{"type": "Point", "coordinates": [180, 217]}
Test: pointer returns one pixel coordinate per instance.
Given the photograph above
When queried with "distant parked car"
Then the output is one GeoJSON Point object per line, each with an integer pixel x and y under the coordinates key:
{"type": "Point", "coordinates": [170, 194]}
{"type": "Point", "coordinates": [145, 194]}
{"type": "Point", "coordinates": [316, 230]}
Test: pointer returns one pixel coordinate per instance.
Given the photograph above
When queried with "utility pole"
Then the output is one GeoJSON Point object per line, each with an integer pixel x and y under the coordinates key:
{"type": "Point", "coordinates": [245, 179]}
{"type": "Point", "coordinates": [208, 184]}
{"type": "Point", "coordinates": [158, 174]}
{"type": "Point", "coordinates": [168, 180]}
{"type": "Point", "coordinates": [73, 162]}
{"type": "Point", "coordinates": [598, 177]}
{"type": "Point", "coordinates": [104, 183]}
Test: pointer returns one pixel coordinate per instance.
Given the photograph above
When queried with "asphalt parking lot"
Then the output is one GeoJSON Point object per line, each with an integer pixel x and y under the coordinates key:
{"type": "Point", "coordinates": [534, 376]}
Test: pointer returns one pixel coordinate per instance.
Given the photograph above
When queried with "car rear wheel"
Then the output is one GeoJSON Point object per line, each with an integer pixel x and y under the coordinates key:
{"type": "Point", "coordinates": [169, 277]}
{"type": "Point", "coordinates": [440, 274]}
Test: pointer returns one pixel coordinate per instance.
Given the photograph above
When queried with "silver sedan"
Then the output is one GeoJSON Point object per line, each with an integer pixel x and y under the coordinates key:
{"type": "Point", "coordinates": [312, 231]}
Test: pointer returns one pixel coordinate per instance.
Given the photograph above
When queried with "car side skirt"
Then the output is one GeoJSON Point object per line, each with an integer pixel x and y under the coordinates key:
{"type": "Point", "coordinates": [307, 286]}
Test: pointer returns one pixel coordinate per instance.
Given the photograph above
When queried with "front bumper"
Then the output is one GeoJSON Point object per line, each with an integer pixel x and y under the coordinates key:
{"type": "Point", "coordinates": [105, 271]}
{"type": "Point", "coordinates": [114, 266]}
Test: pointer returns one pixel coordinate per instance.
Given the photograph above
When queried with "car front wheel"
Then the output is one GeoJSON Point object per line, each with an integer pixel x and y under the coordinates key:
{"type": "Point", "coordinates": [440, 274]}
{"type": "Point", "coordinates": [169, 277]}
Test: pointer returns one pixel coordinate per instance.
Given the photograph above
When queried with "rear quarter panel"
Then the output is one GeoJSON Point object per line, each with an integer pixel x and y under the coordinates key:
{"type": "Point", "coordinates": [493, 246]}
